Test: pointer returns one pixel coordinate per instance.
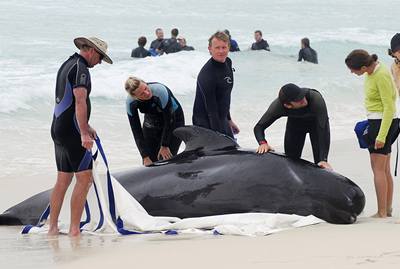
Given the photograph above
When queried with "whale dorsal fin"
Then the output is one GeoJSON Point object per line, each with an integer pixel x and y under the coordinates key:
{"type": "Point", "coordinates": [197, 138]}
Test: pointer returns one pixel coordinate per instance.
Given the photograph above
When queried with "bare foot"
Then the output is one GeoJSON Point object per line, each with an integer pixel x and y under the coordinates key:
{"type": "Point", "coordinates": [377, 215]}
{"type": "Point", "coordinates": [389, 212]}
{"type": "Point", "coordinates": [74, 233]}
{"type": "Point", "coordinates": [53, 232]}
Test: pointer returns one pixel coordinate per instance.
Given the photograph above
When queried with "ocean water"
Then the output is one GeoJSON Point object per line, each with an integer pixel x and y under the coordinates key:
{"type": "Point", "coordinates": [36, 37]}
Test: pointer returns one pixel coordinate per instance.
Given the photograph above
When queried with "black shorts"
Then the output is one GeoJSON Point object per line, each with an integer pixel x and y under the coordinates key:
{"type": "Point", "coordinates": [373, 130]}
{"type": "Point", "coordinates": [72, 157]}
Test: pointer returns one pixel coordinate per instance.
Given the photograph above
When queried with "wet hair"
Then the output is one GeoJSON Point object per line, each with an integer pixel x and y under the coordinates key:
{"type": "Point", "coordinates": [220, 36]}
{"type": "Point", "coordinates": [306, 42]}
{"type": "Point", "coordinates": [226, 31]}
{"type": "Point", "coordinates": [174, 32]}
{"type": "Point", "coordinates": [131, 85]}
{"type": "Point", "coordinates": [142, 41]}
{"type": "Point", "coordinates": [359, 58]}
{"type": "Point", "coordinates": [258, 31]}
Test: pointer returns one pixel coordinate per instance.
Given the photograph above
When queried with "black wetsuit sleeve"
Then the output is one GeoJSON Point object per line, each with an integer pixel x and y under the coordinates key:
{"type": "Point", "coordinates": [137, 131]}
{"type": "Point", "coordinates": [266, 46]}
{"type": "Point", "coordinates": [80, 77]}
{"type": "Point", "coordinates": [169, 123]}
{"type": "Point", "coordinates": [318, 107]}
{"type": "Point", "coordinates": [301, 56]}
{"type": "Point", "coordinates": [274, 112]}
{"type": "Point", "coordinates": [207, 85]}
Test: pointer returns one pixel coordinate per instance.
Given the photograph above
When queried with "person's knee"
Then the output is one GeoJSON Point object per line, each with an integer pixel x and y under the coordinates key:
{"type": "Point", "coordinates": [84, 178]}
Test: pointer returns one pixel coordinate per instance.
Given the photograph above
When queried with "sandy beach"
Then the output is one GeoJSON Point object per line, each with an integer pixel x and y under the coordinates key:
{"type": "Point", "coordinates": [369, 243]}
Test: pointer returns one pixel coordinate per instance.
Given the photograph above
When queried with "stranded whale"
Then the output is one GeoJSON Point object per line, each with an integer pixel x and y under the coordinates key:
{"type": "Point", "coordinates": [213, 176]}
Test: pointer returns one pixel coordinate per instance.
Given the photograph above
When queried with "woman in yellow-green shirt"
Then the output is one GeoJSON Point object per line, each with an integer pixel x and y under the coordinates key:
{"type": "Point", "coordinates": [380, 103]}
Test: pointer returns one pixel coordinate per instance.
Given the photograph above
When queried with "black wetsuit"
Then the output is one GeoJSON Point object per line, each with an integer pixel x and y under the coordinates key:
{"type": "Point", "coordinates": [213, 96]}
{"type": "Point", "coordinates": [140, 52]}
{"type": "Point", "coordinates": [156, 43]}
{"type": "Point", "coordinates": [260, 45]}
{"type": "Point", "coordinates": [187, 48]}
{"type": "Point", "coordinates": [163, 114]}
{"type": "Point", "coordinates": [308, 55]}
{"type": "Point", "coordinates": [170, 45]}
{"type": "Point", "coordinates": [312, 119]}
{"type": "Point", "coordinates": [70, 155]}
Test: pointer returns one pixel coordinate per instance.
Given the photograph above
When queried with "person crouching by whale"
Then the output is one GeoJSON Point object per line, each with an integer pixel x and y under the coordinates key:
{"type": "Point", "coordinates": [380, 104]}
{"type": "Point", "coordinates": [306, 112]}
{"type": "Point", "coordinates": [162, 114]}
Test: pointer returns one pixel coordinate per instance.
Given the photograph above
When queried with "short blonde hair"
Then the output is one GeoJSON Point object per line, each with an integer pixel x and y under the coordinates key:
{"type": "Point", "coordinates": [131, 85]}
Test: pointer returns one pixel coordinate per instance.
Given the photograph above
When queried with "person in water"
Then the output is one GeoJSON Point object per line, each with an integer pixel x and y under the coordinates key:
{"type": "Point", "coordinates": [162, 114]}
{"type": "Point", "coordinates": [211, 107]}
{"type": "Point", "coordinates": [72, 135]}
{"type": "Point", "coordinates": [233, 45]}
{"type": "Point", "coordinates": [184, 46]}
{"type": "Point", "coordinates": [307, 53]}
{"type": "Point", "coordinates": [170, 45]}
{"type": "Point", "coordinates": [260, 43]}
{"type": "Point", "coordinates": [306, 112]}
{"type": "Point", "coordinates": [157, 42]}
{"type": "Point", "coordinates": [141, 52]}
{"type": "Point", "coordinates": [380, 104]}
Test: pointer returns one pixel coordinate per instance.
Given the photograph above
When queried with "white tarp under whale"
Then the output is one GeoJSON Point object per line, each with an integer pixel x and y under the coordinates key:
{"type": "Point", "coordinates": [110, 209]}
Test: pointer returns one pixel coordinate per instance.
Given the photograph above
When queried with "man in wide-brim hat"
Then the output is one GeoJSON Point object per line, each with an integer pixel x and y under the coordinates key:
{"type": "Point", "coordinates": [70, 130]}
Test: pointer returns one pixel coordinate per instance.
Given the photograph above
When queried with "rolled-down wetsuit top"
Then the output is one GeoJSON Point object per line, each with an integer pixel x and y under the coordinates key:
{"type": "Point", "coordinates": [213, 96]}
{"type": "Point", "coordinates": [161, 107]}
{"type": "Point", "coordinates": [315, 112]}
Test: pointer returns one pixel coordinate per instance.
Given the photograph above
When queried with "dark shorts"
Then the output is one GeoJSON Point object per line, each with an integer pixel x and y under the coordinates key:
{"type": "Point", "coordinates": [72, 157]}
{"type": "Point", "coordinates": [373, 130]}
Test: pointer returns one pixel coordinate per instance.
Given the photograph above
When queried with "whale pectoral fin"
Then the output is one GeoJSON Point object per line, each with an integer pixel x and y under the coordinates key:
{"type": "Point", "coordinates": [196, 137]}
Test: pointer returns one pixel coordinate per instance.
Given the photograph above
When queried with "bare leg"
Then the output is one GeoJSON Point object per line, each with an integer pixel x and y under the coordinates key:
{"type": "Point", "coordinates": [378, 164]}
{"type": "Point", "coordinates": [83, 182]}
{"type": "Point", "coordinates": [57, 198]}
{"type": "Point", "coordinates": [389, 180]}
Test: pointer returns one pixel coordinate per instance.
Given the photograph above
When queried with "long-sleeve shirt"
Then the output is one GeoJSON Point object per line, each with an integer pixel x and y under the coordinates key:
{"type": "Point", "coordinates": [315, 111]}
{"type": "Point", "coordinates": [380, 98]}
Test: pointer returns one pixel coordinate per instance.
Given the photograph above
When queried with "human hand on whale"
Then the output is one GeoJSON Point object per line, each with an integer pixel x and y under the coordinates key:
{"type": "Point", "coordinates": [265, 147]}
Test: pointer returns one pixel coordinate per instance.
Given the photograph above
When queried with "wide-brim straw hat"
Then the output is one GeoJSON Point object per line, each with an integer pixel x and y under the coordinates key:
{"type": "Point", "coordinates": [99, 45]}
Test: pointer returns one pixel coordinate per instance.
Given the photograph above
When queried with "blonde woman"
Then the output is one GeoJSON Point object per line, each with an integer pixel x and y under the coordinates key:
{"type": "Point", "coordinates": [162, 114]}
{"type": "Point", "coordinates": [380, 99]}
